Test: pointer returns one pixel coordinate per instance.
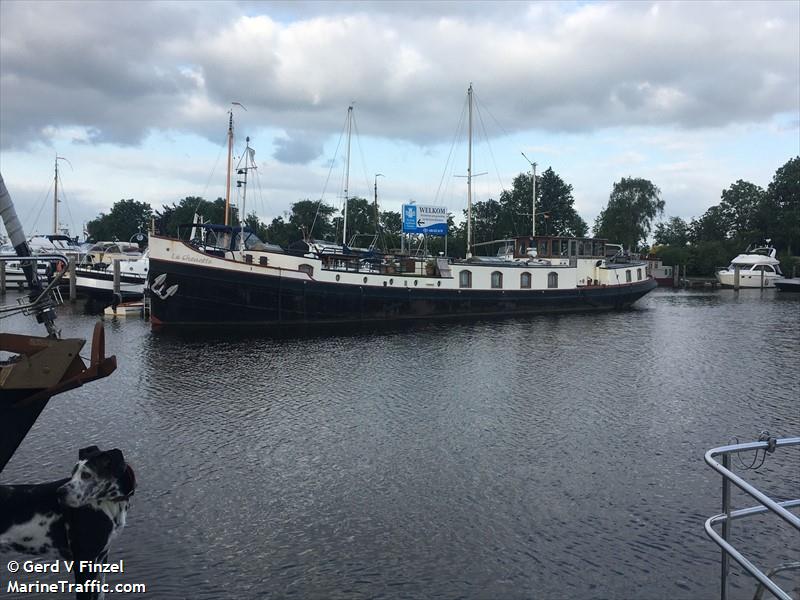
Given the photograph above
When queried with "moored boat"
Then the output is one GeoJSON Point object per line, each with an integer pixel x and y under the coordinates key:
{"type": "Point", "coordinates": [227, 275]}
{"type": "Point", "coordinates": [663, 274]}
{"type": "Point", "coordinates": [96, 279]}
{"type": "Point", "coordinates": [100, 282]}
{"type": "Point", "coordinates": [217, 282]}
{"type": "Point", "coordinates": [757, 268]}
{"type": "Point", "coordinates": [790, 284]}
{"type": "Point", "coordinates": [56, 243]}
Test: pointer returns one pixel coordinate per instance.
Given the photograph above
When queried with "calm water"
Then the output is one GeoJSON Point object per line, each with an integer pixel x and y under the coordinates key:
{"type": "Point", "coordinates": [553, 457]}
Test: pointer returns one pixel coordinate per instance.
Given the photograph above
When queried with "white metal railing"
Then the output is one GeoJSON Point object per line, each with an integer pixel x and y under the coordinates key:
{"type": "Point", "coordinates": [765, 503]}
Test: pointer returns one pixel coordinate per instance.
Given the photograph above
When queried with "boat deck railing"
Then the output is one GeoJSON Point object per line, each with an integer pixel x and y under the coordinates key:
{"type": "Point", "coordinates": [767, 444]}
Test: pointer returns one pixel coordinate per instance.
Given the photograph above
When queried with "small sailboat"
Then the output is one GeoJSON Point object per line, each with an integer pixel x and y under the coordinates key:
{"type": "Point", "coordinates": [55, 243]}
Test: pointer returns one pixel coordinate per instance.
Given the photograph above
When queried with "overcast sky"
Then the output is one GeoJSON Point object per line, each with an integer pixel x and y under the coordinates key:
{"type": "Point", "coordinates": [691, 95]}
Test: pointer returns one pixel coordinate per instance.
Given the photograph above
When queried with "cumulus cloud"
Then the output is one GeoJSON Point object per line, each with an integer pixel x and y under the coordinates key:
{"type": "Point", "coordinates": [129, 68]}
{"type": "Point", "coordinates": [297, 147]}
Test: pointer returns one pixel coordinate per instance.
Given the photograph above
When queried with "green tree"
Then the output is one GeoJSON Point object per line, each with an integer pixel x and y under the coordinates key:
{"type": "Point", "coordinates": [253, 222]}
{"type": "Point", "coordinates": [281, 233]}
{"type": "Point", "coordinates": [487, 223]}
{"type": "Point", "coordinates": [631, 208]}
{"type": "Point", "coordinates": [392, 226]}
{"type": "Point", "coordinates": [126, 218]}
{"type": "Point", "coordinates": [556, 203]}
{"type": "Point", "coordinates": [312, 218]}
{"type": "Point", "coordinates": [742, 204]}
{"type": "Point", "coordinates": [556, 214]}
{"type": "Point", "coordinates": [783, 200]}
{"type": "Point", "coordinates": [169, 218]}
{"type": "Point", "coordinates": [707, 256]}
{"type": "Point", "coordinates": [675, 232]}
{"type": "Point", "coordinates": [360, 220]}
{"type": "Point", "coordinates": [713, 225]}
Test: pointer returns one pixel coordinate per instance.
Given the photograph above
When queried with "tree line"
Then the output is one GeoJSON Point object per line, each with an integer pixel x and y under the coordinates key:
{"type": "Point", "coordinates": [746, 213]}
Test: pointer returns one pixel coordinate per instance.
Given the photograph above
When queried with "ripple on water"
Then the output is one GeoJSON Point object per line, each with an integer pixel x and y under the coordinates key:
{"type": "Point", "coordinates": [554, 456]}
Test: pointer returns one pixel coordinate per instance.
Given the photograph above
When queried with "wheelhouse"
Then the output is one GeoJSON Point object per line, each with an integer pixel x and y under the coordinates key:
{"type": "Point", "coordinates": [559, 247]}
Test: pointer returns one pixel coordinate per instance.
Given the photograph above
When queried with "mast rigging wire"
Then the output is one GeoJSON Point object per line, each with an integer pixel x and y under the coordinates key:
{"type": "Point", "coordinates": [456, 136]}
{"type": "Point", "coordinates": [69, 211]}
{"type": "Point", "coordinates": [208, 181]}
{"type": "Point", "coordinates": [328, 178]}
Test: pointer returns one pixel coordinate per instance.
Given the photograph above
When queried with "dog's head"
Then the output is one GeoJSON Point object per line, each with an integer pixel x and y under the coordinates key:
{"type": "Point", "coordinates": [99, 476]}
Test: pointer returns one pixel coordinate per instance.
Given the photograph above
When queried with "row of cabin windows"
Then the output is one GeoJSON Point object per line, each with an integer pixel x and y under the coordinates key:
{"type": "Point", "coordinates": [629, 278]}
{"type": "Point", "coordinates": [525, 280]}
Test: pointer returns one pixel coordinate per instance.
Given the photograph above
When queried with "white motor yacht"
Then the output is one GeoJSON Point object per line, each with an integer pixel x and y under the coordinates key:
{"type": "Point", "coordinates": [758, 268]}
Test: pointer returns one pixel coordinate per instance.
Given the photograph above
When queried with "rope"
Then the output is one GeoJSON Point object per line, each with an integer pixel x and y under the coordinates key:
{"type": "Point", "coordinates": [456, 136]}
{"type": "Point", "coordinates": [328, 178]}
{"type": "Point", "coordinates": [39, 214]}
{"type": "Point", "coordinates": [208, 182]}
{"type": "Point", "coordinates": [486, 137]}
{"type": "Point", "coordinates": [41, 207]}
{"type": "Point", "coordinates": [771, 445]}
{"type": "Point", "coordinates": [64, 192]}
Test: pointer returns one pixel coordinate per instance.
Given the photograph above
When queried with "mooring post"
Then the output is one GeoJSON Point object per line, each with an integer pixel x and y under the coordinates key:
{"type": "Point", "coordinates": [736, 277]}
{"type": "Point", "coordinates": [685, 281]}
{"type": "Point", "coordinates": [116, 275]}
{"type": "Point", "coordinates": [762, 278]}
{"type": "Point", "coordinates": [72, 280]}
{"type": "Point", "coordinates": [2, 278]}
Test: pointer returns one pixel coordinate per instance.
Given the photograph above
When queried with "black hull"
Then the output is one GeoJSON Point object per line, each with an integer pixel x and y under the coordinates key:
{"type": "Point", "coordinates": [208, 296]}
{"type": "Point", "coordinates": [17, 418]}
{"type": "Point", "coordinates": [131, 286]}
{"type": "Point", "coordinates": [788, 285]}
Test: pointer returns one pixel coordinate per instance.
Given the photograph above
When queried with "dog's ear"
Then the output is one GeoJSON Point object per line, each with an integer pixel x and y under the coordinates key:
{"type": "Point", "coordinates": [122, 470]}
{"type": "Point", "coordinates": [116, 461]}
{"type": "Point", "coordinates": [130, 481]}
{"type": "Point", "coordinates": [87, 452]}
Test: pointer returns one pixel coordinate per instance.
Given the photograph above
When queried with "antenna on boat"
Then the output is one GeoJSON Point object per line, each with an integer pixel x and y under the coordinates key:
{"type": "Point", "coordinates": [230, 155]}
{"type": "Point", "coordinates": [533, 194]}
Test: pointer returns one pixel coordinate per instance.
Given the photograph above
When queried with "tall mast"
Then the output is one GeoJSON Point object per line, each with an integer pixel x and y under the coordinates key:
{"type": "Point", "coordinates": [533, 194]}
{"type": "Point", "coordinates": [533, 202]}
{"type": "Point", "coordinates": [55, 194]}
{"type": "Point", "coordinates": [376, 200]}
{"type": "Point", "coordinates": [347, 174]}
{"type": "Point", "coordinates": [230, 164]}
{"type": "Point", "coordinates": [469, 177]}
{"type": "Point", "coordinates": [228, 180]}
{"type": "Point", "coordinates": [55, 199]}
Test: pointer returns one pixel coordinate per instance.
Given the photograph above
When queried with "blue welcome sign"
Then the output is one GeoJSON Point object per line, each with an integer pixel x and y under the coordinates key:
{"type": "Point", "coordinates": [430, 220]}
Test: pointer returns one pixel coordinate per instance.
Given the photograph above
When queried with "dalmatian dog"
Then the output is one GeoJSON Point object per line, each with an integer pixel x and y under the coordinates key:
{"type": "Point", "coordinates": [75, 518]}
